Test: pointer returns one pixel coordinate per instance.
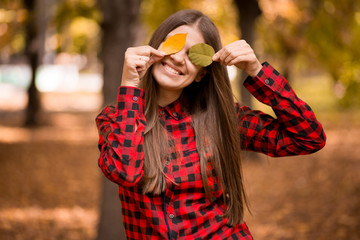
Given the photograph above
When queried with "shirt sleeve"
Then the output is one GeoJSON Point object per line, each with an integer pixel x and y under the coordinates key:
{"type": "Point", "coordinates": [121, 130]}
{"type": "Point", "coordinates": [295, 131]}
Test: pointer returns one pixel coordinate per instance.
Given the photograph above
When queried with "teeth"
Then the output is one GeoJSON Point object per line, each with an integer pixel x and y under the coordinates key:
{"type": "Point", "coordinates": [170, 69]}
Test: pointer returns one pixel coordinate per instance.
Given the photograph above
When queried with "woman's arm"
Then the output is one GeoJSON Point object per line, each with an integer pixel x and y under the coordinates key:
{"type": "Point", "coordinates": [296, 130]}
{"type": "Point", "coordinates": [121, 128]}
{"type": "Point", "coordinates": [121, 131]}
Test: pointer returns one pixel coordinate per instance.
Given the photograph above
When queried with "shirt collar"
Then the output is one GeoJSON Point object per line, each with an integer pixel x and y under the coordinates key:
{"type": "Point", "coordinates": [174, 109]}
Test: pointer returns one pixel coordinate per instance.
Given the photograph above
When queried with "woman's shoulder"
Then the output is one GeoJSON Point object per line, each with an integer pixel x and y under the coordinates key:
{"type": "Point", "coordinates": [245, 113]}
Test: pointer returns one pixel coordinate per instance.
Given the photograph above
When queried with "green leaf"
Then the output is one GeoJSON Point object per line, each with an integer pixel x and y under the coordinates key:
{"type": "Point", "coordinates": [201, 54]}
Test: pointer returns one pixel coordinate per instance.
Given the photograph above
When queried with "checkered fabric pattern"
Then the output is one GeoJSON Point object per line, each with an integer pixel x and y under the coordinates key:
{"type": "Point", "coordinates": [183, 211]}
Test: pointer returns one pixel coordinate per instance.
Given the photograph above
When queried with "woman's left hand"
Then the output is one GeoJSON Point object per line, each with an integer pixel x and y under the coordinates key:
{"type": "Point", "coordinates": [240, 54]}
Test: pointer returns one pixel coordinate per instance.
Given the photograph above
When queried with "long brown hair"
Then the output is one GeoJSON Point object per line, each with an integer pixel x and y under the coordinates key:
{"type": "Point", "coordinates": [213, 117]}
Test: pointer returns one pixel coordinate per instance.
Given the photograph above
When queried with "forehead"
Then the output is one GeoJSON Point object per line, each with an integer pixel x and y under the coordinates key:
{"type": "Point", "coordinates": [194, 35]}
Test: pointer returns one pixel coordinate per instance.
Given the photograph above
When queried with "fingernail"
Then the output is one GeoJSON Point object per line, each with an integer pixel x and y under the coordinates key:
{"type": "Point", "coordinates": [162, 53]}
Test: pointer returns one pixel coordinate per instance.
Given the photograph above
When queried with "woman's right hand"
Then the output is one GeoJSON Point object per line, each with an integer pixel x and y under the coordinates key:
{"type": "Point", "coordinates": [137, 61]}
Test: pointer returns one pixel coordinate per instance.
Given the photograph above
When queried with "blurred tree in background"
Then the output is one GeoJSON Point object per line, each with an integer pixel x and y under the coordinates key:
{"type": "Point", "coordinates": [21, 29]}
{"type": "Point", "coordinates": [222, 12]}
{"type": "Point", "coordinates": [302, 36]}
{"type": "Point", "coordinates": [310, 35]}
{"type": "Point", "coordinates": [120, 28]}
{"type": "Point", "coordinates": [13, 17]}
{"type": "Point", "coordinates": [248, 11]}
{"type": "Point", "coordinates": [45, 32]}
{"type": "Point", "coordinates": [333, 38]}
{"type": "Point", "coordinates": [316, 35]}
{"type": "Point", "coordinates": [77, 31]}
{"type": "Point", "coordinates": [35, 36]}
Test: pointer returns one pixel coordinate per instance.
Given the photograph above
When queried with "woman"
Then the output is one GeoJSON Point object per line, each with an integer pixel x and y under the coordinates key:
{"type": "Point", "coordinates": [172, 143]}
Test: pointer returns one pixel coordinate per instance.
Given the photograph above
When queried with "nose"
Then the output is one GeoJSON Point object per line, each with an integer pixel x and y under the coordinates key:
{"type": "Point", "coordinates": [179, 57]}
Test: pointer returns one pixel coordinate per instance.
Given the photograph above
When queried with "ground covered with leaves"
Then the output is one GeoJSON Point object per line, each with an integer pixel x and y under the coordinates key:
{"type": "Point", "coordinates": [50, 184]}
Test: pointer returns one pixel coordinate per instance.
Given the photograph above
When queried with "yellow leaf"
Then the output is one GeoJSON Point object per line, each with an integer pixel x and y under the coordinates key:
{"type": "Point", "coordinates": [174, 43]}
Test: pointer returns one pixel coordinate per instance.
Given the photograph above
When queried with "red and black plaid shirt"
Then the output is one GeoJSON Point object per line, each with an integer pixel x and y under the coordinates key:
{"type": "Point", "coordinates": [183, 211]}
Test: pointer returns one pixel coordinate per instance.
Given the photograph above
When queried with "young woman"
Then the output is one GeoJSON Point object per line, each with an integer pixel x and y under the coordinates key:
{"type": "Point", "coordinates": [172, 143]}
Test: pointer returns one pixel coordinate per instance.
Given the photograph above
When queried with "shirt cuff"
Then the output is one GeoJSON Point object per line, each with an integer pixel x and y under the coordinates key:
{"type": "Point", "coordinates": [266, 81]}
{"type": "Point", "coordinates": [131, 98]}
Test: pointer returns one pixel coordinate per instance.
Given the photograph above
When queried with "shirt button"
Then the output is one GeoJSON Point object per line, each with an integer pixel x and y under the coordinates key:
{"type": "Point", "coordinates": [267, 81]}
{"type": "Point", "coordinates": [162, 112]}
{"type": "Point", "coordinates": [175, 114]}
{"type": "Point", "coordinates": [167, 162]}
{"type": "Point", "coordinates": [135, 98]}
{"type": "Point", "coordinates": [171, 215]}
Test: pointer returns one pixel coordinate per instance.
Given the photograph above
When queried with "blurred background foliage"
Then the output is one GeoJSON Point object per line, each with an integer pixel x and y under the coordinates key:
{"type": "Point", "coordinates": [315, 35]}
{"type": "Point", "coordinates": [12, 19]}
{"type": "Point", "coordinates": [77, 28]}
{"type": "Point", "coordinates": [301, 36]}
{"type": "Point", "coordinates": [315, 44]}
{"type": "Point", "coordinates": [221, 12]}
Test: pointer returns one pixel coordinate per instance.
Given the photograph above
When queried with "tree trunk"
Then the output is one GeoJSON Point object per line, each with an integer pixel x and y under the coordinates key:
{"type": "Point", "coordinates": [248, 12]}
{"type": "Point", "coordinates": [33, 106]}
{"type": "Point", "coordinates": [33, 53]}
{"type": "Point", "coordinates": [119, 28]}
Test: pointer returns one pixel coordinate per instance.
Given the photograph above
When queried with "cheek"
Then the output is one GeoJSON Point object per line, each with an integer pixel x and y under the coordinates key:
{"type": "Point", "coordinates": [195, 70]}
{"type": "Point", "coordinates": [155, 70]}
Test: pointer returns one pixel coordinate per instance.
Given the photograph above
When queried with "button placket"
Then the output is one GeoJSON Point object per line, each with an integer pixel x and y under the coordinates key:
{"type": "Point", "coordinates": [169, 203]}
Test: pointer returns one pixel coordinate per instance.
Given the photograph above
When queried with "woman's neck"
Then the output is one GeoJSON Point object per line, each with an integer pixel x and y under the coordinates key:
{"type": "Point", "coordinates": [166, 97]}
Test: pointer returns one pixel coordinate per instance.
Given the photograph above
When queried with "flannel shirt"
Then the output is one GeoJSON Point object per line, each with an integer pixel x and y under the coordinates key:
{"type": "Point", "coordinates": [183, 211]}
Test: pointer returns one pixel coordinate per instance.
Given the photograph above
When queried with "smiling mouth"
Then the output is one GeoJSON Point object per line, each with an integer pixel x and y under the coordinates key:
{"type": "Point", "coordinates": [171, 70]}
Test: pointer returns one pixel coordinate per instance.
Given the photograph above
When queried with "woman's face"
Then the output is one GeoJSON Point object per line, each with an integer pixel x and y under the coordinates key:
{"type": "Point", "coordinates": [175, 72]}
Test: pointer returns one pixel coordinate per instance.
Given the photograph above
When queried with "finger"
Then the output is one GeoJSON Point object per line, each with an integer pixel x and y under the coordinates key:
{"type": "Point", "coordinates": [145, 51]}
{"type": "Point", "coordinates": [150, 51]}
{"type": "Point", "coordinates": [141, 58]}
{"type": "Point", "coordinates": [140, 63]}
{"type": "Point", "coordinates": [141, 66]}
{"type": "Point", "coordinates": [240, 45]}
{"type": "Point", "coordinates": [144, 58]}
{"type": "Point", "coordinates": [238, 54]}
{"type": "Point", "coordinates": [153, 59]}
{"type": "Point", "coordinates": [244, 59]}
{"type": "Point", "coordinates": [223, 53]}
{"type": "Point", "coordinates": [155, 52]}
{"type": "Point", "coordinates": [155, 56]}
{"type": "Point", "coordinates": [230, 58]}
{"type": "Point", "coordinates": [136, 58]}
{"type": "Point", "coordinates": [217, 55]}
{"type": "Point", "coordinates": [245, 55]}
{"type": "Point", "coordinates": [238, 60]}
{"type": "Point", "coordinates": [144, 62]}
{"type": "Point", "coordinates": [227, 55]}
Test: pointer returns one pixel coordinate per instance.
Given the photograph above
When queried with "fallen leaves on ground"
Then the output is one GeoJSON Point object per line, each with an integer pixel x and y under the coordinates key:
{"type": "Point", "coordinates": [50, 184]}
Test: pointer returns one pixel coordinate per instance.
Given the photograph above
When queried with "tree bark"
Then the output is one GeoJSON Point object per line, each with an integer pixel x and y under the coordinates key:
{"type": "Point", "coordinates": [33, 53]}
{"type": "Point", "coordinates": [248, 12]}
{"type": "Point", "coordinates": [119, 29]}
